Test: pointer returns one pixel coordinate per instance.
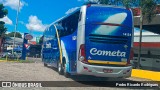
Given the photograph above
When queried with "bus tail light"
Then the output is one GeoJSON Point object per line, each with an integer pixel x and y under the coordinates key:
{"type": "Point", "coordinates": [131, 56]}
{"type": "Point", "coordinates": [82, 55]}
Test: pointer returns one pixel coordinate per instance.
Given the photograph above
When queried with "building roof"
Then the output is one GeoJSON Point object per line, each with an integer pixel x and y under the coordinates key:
{"type": "Point", "coordinates": [9, 40]}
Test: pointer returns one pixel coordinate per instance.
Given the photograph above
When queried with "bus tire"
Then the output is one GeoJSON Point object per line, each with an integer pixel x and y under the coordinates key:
{"type": "Point", "coordinates": [60, 68]}
{"type": "Point", "coordinates": [45, 65]}
{"type": "Point", "coordinates": [66, 74]}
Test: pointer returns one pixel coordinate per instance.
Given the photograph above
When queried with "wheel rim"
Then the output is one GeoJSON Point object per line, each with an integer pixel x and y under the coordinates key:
{"type": "Point", "coordinates": [65, 68]}
{"type": "Point", "coordinates": [59, 67]}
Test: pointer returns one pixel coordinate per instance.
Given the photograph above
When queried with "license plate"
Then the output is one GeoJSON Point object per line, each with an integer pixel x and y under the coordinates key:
{"type": "Point", "coordinates": [107, 70]}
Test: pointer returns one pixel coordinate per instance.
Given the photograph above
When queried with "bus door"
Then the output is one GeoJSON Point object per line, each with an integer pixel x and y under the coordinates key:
{"type": "Point", "coordinates": [55, 51]}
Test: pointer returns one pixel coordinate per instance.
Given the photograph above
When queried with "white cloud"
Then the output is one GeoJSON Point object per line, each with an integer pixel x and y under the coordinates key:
{"type": "Point", "coordinates": [7, 32]}
{"type": "Point", "coordinates": [35, 24]}
{"type": "Point", "coordinates": [6, 20]}
{"type": "Point", "coordinates": [34, 39]}
{"type": "Point", "coordinates": [71, 10]}
{"type": "Point", "coordinates": [13, 3]}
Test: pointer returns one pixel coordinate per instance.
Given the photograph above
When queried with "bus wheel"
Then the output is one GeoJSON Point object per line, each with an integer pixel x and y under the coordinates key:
{"type": "Point", "coordinates": [66, 74]}
{"type": "Point", "coordinates": [45, 64]}
{"type": "Point", "coordinates": [60, 68]}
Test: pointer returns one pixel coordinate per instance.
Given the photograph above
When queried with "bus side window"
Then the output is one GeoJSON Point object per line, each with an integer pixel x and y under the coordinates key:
{"type": "Point", "coordinates": [68, 25]}
{"type": "Point", "coordinates": [60, 29]}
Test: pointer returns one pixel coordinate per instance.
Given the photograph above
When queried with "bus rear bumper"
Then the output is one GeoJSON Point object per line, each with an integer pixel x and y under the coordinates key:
{"type": "Point", "coordinates": [100, 71]}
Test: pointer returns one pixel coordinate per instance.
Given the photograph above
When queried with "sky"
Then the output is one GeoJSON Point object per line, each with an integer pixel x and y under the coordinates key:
{"type": "Point", "coordinates": [35, 15]}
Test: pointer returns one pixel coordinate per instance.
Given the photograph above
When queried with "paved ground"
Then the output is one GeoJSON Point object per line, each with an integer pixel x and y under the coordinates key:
{"type": "Point", "coordinates": [37, 72]}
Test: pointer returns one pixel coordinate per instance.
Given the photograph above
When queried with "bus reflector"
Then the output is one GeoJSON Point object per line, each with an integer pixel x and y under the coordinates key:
{"type": "Point", "coordinates": [82, 55]}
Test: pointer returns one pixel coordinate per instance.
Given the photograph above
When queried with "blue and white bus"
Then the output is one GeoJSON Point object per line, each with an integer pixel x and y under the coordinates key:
{"type": "Point", "coordinates": [93, 40]}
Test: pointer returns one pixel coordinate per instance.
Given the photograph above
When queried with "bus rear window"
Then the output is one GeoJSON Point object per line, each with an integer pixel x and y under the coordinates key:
{"type": "Point", "coordinates": [108, 16]}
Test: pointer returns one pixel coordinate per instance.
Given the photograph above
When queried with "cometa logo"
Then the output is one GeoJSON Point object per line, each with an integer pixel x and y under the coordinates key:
{"type": "Point", "coordinates": [94, 51]}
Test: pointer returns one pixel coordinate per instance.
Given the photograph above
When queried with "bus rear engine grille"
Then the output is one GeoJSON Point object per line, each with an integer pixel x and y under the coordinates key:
{"type": "Point", "coordinates": [108, 39]}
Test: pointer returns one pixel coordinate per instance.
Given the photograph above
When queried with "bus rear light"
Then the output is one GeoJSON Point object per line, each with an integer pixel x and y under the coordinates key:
{"type": "Point", "coordinates": [85, 68]}
{"type": "Point", "coordinates": [82, 54]}
{"type": "Point", "coordinates": [89, 71]}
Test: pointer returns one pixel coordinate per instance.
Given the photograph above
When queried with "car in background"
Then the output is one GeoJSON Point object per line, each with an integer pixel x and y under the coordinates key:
{"type": "Point", "coordinates": [15, 55]}
{"type": "Point", "coordinates": [4, 54]}
{"type": "Point", "coordinates": [10, 55]}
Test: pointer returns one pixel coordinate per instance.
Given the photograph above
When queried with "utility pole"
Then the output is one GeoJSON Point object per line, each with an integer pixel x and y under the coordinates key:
{"type": "Point", "coordinates": [140, 39]}
{"type": "Point", "coordinates": [16, 25]}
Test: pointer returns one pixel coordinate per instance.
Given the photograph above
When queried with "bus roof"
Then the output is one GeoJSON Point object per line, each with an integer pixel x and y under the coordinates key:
{"type": "Point", "coordinates": [103, 5]}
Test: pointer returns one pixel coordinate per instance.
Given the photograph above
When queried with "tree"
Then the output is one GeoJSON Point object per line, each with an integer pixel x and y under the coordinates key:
{"type": "Point", "coordinates": [106, 2]}
{"type": "Point", "coordinates": [17, 34]}
{"type": "Point", "coordinates": [147, 11]}
{"type": "Point", "coordinates": [41, 40]}
{"type": "Point", "coordinates": [3, 29]}
{"type": "Point", "coordinates": [147, 8]}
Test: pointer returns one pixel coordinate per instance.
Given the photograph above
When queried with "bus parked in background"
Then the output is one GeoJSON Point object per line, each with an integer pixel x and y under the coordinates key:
{"type": "Point", "coordinates": [93, 40]}
{"type": "Point", "coordinates": [34, 51]}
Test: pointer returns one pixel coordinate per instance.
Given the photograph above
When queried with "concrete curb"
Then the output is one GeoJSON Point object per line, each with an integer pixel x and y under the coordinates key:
{"type": "Point", "coordinates": [152, 75]}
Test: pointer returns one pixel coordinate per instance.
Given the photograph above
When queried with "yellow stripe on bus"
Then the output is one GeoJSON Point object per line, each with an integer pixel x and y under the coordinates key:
{"type": "Point", "coordinates": [107, 62]}
{"type": "Point", "coordinates": [59, 45]}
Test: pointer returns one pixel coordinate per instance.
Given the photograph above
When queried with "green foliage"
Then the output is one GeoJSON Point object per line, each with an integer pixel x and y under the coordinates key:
{"type": "Point", "coordinates": [41, 40]}
{"type": "Point", "coordinates": [2, 29]}
{"type": "Point", "coordinates": [148, 9]}
{"type": "Point", "coordinates": [104, 2]}
{"type": "Point", "coordinates": [17, 34]}
{"type": "Point", "coordinates": [3, 12]}
{"type": "Point", "coordinates": [16, 60]}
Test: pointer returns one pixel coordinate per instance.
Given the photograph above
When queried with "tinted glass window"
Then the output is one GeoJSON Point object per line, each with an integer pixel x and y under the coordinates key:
{"type": "Point", "coordinates": [49, 33]}
{"type": "Point", "coordinates": [68, 25]}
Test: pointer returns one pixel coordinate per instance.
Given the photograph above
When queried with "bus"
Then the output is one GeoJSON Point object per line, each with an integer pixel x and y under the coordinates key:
{"type": "Point", "coordinates": [94, 40]}
{"type": "Point", "coordinates": [34, 51]}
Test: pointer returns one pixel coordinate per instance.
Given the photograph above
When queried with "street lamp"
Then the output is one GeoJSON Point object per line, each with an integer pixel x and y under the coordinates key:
{"type": "Point", "coordinates": [16, 25]}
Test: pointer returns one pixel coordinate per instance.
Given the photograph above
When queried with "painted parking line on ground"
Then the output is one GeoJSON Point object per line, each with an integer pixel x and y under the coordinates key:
{"type": "Point", "coordinates": [146, 74]}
